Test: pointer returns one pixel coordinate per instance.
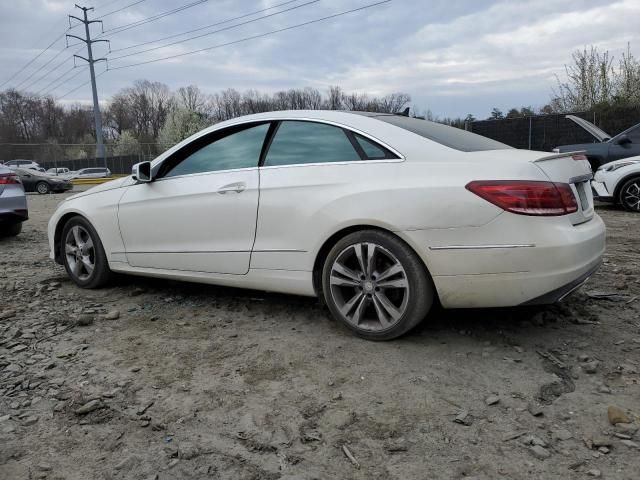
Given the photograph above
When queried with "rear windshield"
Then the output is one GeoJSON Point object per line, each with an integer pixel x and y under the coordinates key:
{"type": "Point", "coordinates": [448, 136]}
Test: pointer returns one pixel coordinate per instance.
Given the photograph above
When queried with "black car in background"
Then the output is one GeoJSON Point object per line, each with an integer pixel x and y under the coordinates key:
{"type": "Point", "coordinates": [623, 145]}
{"type": "Point", "coordinates": [34, 181]}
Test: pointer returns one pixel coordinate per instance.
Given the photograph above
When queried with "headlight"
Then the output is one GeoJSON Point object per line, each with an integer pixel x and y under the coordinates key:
{"type": "Point", "coordinates": [613, 168]}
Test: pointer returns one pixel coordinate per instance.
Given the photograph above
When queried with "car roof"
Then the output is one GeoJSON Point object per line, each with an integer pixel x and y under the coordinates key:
{"type": "Point", "coordinates": [441, 134]}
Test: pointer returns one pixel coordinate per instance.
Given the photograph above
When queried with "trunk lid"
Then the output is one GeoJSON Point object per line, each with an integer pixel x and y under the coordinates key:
{"type": "Point", "coordinates": [564, 168]}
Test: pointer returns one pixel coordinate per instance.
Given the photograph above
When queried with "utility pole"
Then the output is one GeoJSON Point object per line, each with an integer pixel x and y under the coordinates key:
{"type": "Point", "coordinates": [90, 60]}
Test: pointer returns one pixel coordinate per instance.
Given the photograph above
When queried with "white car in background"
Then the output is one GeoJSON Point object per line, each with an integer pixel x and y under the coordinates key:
{"type": "Point", "coordinates": [380, 215]}
{"type": "Point", "coordinates": [58, 171]}
{"type": "Point", "coordinates": [96, 172]}
{"type": "Point", "coordinates": [28, 164]}
{"type": "Point", "coordinates": [619, 182]}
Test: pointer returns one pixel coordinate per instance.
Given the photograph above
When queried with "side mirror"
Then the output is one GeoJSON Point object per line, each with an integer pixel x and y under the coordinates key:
{"type": "Point", "coordinates": [623, 140]}
{"type": "Point", "coordinates": [142, 172]}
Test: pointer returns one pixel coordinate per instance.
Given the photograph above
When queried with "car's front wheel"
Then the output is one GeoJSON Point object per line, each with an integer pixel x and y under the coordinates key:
{"type": "Point", "coordinates": [376, 285]}
{"type": "Point", "coordinates": [83, 255]}
{"type": "Point", "coordinates": [630, 195]}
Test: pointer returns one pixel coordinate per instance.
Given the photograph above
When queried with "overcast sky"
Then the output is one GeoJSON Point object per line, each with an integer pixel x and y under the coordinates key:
{"type": "Point", "coordinates": [452, 56]}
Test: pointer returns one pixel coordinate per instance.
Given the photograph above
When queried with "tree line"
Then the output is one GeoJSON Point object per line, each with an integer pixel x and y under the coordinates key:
{"type": "Point", "coordinates": [151, 113]}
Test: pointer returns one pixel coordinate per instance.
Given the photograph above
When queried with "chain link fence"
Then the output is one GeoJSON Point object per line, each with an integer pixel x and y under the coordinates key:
{"type": "Point", "coordinates": [76, 156]}
{"type": "Point", "coordinates": [544, 132]}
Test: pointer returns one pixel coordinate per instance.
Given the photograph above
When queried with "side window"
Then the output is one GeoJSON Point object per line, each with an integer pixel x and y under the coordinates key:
{"type": "Point", "coordinates": [240, 149]}
{"type": "Point", "coordinates": [372, 150]}
{"type": "Point", "coordinates": [634, 135]}
{"type": "Point", "coordinates": [299, 142]}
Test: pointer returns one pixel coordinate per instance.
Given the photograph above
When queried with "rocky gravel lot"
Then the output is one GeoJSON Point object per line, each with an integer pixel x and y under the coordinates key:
{"type": "Point", "coordinates": [156, 379]}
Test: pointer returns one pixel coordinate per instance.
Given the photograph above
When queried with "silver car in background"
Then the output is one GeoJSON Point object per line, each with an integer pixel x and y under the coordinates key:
{"type": "Point", "coordinates": [97, 172]}
{"type": "Point", "coordinates": [13, 203]}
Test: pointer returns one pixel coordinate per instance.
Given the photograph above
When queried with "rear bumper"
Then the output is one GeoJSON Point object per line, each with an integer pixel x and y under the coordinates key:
{"type": "Point", "coordinates": [561, 293]}
{"type": "Point", "coordinates": [512, 260]}
{"type": "Point", "coordinates": [15, 216]}
{"type": "Point", "coordinates": [13, 205]}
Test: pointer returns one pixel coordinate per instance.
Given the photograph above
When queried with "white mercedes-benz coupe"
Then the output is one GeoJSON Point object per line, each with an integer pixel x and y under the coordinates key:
{"type": "Point", "coordinates": [380, 215]}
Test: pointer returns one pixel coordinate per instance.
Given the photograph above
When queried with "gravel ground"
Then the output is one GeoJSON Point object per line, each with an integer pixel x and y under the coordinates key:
{"type": "Point", "coordinates": [157, 379]}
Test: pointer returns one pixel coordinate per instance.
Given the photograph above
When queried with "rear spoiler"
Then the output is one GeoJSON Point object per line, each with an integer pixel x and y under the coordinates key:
{"type": "Point", "coordinates": [560, 155]}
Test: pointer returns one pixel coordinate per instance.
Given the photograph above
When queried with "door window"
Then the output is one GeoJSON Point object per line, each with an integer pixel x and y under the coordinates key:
{"type": "Point", "coordinates": [237, 149]}
{"type": "Point", "coordinates": [299, 142]}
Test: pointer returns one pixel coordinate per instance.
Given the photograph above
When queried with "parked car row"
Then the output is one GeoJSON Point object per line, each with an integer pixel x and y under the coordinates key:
{"type": "Point", "coordinates": [91, 172]}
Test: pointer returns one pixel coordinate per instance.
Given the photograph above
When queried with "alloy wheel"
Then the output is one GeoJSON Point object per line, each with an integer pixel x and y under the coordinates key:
{"type": "Point", "coordinates": [369, 286]}
{"type": "Point", "coordinates": [80, 252]}
{"type": "Point", "coordinates": [631, 196]}
{"type": "Point", "coordinates": [42, 188]}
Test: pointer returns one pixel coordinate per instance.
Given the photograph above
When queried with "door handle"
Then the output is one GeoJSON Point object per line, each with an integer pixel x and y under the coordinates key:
{"type": "Point", "coordinates": [237, 187]}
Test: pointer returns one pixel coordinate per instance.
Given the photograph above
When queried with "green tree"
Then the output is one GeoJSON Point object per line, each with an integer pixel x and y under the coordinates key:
{"type": "Point", "coordinates": [496, 114]}
{"type": "Point", "coordinates": [126, 144]}
{"type": "Point", "coordinates": [180, 124]}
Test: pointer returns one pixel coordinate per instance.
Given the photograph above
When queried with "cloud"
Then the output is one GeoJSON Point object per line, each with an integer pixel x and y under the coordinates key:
{"type": "Point", "coordinates": [452, 57]}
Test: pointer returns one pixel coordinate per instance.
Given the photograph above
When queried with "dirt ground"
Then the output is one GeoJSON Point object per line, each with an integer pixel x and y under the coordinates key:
{"type": "Point", "coordinates": [193, 381]}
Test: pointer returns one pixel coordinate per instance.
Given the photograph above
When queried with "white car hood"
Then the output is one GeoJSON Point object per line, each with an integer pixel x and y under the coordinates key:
{"type": "Point", "coordinates": [117, 183]}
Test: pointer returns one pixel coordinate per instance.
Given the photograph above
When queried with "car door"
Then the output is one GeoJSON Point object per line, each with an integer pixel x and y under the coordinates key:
{"type": "Point", "coordinates": [309, 171]}
{"type": "Point", "coordinates": [28, 180]}
{"type": "Point", "coordinates": [624, 149]}
{"type": "Point", "coordinates": [199, 213]}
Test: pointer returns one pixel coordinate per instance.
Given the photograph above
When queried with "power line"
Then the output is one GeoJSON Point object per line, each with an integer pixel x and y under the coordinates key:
{"type": "Point", "coordinates": [51, 70]}
{"type": "Point", "coordinates": [108, 4]}
{"type": "Point", "coordinates": [38, 70]}
{"type": "Point", "coordinates": [253, 37]}
{"type": "Point", "coordinates": [80, 86]}
{"type": "Point", "coordinates": [34, 58]}
{"type": "Point", "coordinates": [153, 18]}
{"type": "Point", "coordinates": [203, 28]}
{"type": "Point", "coordinates": [120, 9]}
{"type": "Point", "coordinates": [46, 90]}
{"type": "Point", "coordinates": [215, 31]}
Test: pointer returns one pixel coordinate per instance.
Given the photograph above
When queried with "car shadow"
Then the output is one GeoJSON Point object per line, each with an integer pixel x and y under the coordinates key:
{"type": "Point", "coordinates": [473, 323]}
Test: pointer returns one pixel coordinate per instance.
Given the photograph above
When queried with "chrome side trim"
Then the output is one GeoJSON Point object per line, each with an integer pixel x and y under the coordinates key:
{"type": "Point", "coordinates": [481, 247]}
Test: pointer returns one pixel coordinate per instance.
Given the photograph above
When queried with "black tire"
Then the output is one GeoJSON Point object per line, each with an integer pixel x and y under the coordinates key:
{"type": "Point", "coordinates": [43, 188]}
{"type": "Point", "coordinates": [629, 196]}
{"type": "Point", "coordinates": [11, 230]}
{"type": "Point", "coordinates": [420, 290]}
{"type": "Point", "coordinates": [101, 274]}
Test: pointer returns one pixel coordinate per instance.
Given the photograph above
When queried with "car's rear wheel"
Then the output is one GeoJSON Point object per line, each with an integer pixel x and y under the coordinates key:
{"type": "Point", "coordinates": [376, 285]}
{"type": "Point", "coordinates": [43, 188]}
{"type": "Point", "coordinates": [83, 255]}
{"type": "Point", "coordinates": [11, 230]}
{"type": "Point", "coordinates": [629, 196]}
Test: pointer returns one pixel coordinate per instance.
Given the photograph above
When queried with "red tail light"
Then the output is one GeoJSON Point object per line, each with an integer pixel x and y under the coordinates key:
{"type": "Point", "coordinates": [8, 179]}
{"type": "Point", "coordinates": [527, 198]}
{"type": "Point", "coordinates": [579, 156]}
